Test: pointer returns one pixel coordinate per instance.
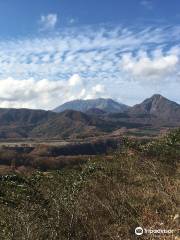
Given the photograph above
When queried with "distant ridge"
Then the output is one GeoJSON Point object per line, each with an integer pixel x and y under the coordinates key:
{"type": "Point", "coordinates": [107, 105]}
{"type": "Point", "coordinates": [108, 116]}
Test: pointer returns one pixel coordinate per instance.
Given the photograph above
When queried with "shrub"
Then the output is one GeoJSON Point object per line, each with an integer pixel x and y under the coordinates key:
{"type": "Point", "coordinates": [167, 147]}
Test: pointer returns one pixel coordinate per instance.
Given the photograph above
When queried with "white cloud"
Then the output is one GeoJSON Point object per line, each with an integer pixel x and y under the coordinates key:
{"type": "Point", "coordinates": [85, 52]}
{"type": "Point", "coordinates": [145, 66]}
{"type": "Point", "coordinates": [48, 22]}
{"type": "Point", "coordinates": [75, 80]}
{"type": "Point", "coordinates": [86, 63]}
{"type": "Point", "coordinates": [97, 91]}
{"type": "Point", "coordinates": [46, 94]}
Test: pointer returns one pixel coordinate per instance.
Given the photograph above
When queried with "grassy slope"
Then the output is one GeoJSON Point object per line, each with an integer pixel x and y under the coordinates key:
{"type": "Point", "coordinates": [102, 199]}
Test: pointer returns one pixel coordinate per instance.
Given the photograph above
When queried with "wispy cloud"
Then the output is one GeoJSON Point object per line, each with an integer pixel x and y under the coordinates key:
{"type": "Point", "coordinates": [48, 22]}
{"type": "Point", "coordinates": [147, 4]}
{"type": "Point", "coordinates": [71, 21]}
{"type": "Point", "coordinates": [108, 62]}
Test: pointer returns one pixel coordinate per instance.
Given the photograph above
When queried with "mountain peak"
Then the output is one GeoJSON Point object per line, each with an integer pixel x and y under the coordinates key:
{"type": "Point", "coordinates": [158, 106]}
{"type": "Point", "coordinates": [155, 99]}
{"type": "Point", "coordinates": [104, 104]}
{"type": "Point", "coordinates": [157, 96]}
{"type": "Point", "coordinates": [158, 99]}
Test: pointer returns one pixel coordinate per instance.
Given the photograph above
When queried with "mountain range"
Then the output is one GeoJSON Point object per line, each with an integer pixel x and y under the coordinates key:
{"type": "Point", "coordinates": [87, 118]}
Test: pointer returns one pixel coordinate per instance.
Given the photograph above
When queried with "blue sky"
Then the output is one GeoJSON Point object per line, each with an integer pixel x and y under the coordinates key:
{"type": "Point", "coordinates": [53, 51]}
{"type": "Point", "coordinates": [19, 17]}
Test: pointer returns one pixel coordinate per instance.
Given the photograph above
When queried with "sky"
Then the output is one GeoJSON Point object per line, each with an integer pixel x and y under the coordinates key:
{"type": "Point", "coordinates": [54, 51]}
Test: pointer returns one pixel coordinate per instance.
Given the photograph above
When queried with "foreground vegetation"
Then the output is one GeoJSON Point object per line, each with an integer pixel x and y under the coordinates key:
{"type": "Point", "coordinates": [98, 200]}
